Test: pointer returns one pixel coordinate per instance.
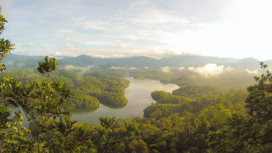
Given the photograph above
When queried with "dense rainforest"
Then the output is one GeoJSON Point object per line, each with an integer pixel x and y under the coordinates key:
{"type": "Point", "coordinates": [88, 90]}
{"type": "Point", "coordinates": [195, 118]}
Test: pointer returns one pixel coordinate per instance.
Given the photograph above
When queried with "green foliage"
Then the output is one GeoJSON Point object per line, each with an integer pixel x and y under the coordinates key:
{"type": "Point", "coordinates": [16, 94]}
{"type": "Point", "coordinates": [48, 65]}
{"type": "Point", "coordinates": [87, 91]}
{"type": "Point", "coordinates": [164, 97]}
{"type": "Point", "coordinates": [259, 101]}
{"type": "Point", "coordinates": [138, 146]}
{"type": "Point", "coordinates": [194, 91]}
{"type": "Point", "coordinates": [64, 135]}
{"type": "Point", "coordinates": [229, 80]}
{"type": "Point", "coordinates": [4, 116]}
{"type": "Point", "coordinates": [12, 134]}
{"type": "Point", "coordinates": [250, 133]}
{"type": "Point", "coordinates": [43, 102]}
{"type": "Point", "coordinates": [205, 111]}
{"type": "Point", "coordinates": [5, 45]}
{"type": "Point", "coordinates": [107, 123]}
{"type": "Point", "coordinates": [194, 119]}
{"type": "Point", "coordinates": [82, 102]}
{"type": "Point", "coordinates": [2, 21]}
{"type": "Point", "coordinates": [174, 124]}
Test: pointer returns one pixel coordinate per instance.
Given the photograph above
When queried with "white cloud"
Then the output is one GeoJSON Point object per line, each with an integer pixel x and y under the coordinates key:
{"type": "Point", "coordinates": [29, 45]}
{"type": "Point", "coordinates": [181, 68]}
{"type": "Point", "coordinates": [253, 72]}
{"type": "Point", "coordinates": [95, 25]}
{"type": "Point", "coordinates": [67, 38]}
{"type": "Point", "coordinates": [6, 3]}
{"type": "Point", "coordinates": [120, 44]}
{"type": "Point", "coordinates": [208, 70]}
{"type": "Point", "coordinates": [116, 68]}
{"type": "Point", "coordinates": [229, 69]}
{"type": "Point", "coordinates": [94, 43]}
{"type": "Point", "coordinates": [80, 68]}
{"type": "Point", "coordinates": [225, 28]}
{"type": "Point", "coordinates": [69, 46]}
{"type": "Point", "coordinates": [155, 17]}
{"type": "Point", "coordinates": [132, 68]}
{"type": "Point", "coordinates": [165, 69]}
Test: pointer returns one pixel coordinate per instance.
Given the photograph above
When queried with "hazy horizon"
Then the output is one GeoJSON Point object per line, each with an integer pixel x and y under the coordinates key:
{"type": "Point", "coordinates": [137, 55]}
{"type": "Point", "coordinates": [225, 28]}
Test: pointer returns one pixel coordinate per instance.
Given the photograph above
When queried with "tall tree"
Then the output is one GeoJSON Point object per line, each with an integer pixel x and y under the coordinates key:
{"type": "Point", "coordinates": [250, 133]}
{"type": "Point", "coordinates": [5, 45]}
{"type": "Point", "coordinates": [12, 134]}
{"type": "Point", "coordinates": [49, 65]}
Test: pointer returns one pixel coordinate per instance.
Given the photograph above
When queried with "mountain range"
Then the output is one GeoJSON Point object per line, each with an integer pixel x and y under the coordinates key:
{"type": "Point", "coordinates": [17, 62]}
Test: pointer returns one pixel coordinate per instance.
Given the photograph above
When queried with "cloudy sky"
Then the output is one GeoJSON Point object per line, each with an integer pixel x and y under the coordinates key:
{"type": "Point", "coordinates": [156, 28]}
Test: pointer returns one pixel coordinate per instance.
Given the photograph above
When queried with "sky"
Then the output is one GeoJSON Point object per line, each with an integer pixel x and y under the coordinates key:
{"type": "Point", "coordinates": [154, 28]}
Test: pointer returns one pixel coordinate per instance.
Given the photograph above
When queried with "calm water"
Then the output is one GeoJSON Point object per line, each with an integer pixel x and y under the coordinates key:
{"type": "Point", "coordinates": [138, 95]}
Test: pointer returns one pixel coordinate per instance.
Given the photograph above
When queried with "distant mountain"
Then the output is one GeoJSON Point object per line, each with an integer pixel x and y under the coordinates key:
{"type": "Point", "coordinates": [139, 61]}
{"type": "Point", "coordinates": [269, 63]}
{"type": "Point", "coordinates": [84, 60]}
{"type": "Point", "coordinates": [21, 58]}
{"type": "Point", "coordinates": [195, 60]}
{"type": "Point", "coordinates": [247, 63]}
{"type": "Point", "coordinates": [142, 61]}
{"type": "Point", "coordinates": [19, 62]}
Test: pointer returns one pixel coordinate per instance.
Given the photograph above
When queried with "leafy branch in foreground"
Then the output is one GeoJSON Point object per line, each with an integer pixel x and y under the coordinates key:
{"type": "Point", "coordinates": [5, 45]}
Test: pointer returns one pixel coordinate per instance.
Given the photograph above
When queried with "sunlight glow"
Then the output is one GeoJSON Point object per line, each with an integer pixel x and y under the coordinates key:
{"type": "Point", "coordinates": [209, 70]}
{"type": "Point", "coordinates": [212, 67]}
{"type": "Point", "coordinates": [245, 31]}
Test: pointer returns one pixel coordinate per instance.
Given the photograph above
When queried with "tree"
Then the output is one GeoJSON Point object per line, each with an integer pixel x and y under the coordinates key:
{"type": "Point", "coordinates": [5, 45]}
{"type": "Point", "coordinates": [259, 101]}
{"type": "Point", "coordinates": [252, 133]}
{"type": "Point", "coordinates": [12, 134]}
{"type": "Point", "coordinates": [48, 65]}
{"type": "Point", "coordinates": [138, 146]}
{"type": "Point", "coordinates": [43, 103]}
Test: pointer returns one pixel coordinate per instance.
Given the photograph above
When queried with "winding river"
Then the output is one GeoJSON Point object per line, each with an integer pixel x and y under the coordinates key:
{"type": "Point", "coordinates": [138, 95]}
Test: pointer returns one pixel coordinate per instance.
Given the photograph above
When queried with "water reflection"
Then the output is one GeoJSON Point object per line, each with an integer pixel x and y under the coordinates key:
{"type": "Point", "coordinates": [138, 95]}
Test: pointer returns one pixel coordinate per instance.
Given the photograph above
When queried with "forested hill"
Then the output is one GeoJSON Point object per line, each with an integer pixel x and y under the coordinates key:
{"type": "Point", "coordinates": [14, 61]}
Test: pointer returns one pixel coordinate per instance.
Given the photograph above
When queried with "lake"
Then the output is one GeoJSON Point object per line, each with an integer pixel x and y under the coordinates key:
{"type": "Point", "coordinates": [138, 95]}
